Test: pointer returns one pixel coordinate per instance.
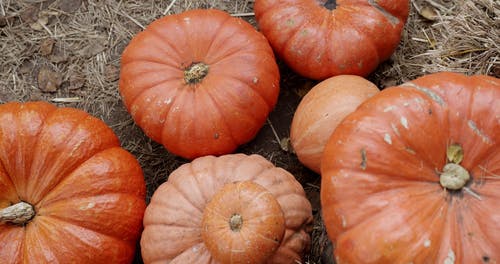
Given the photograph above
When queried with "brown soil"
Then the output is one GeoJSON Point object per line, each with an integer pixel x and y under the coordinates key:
{"type": "Point", "coordinates": [68, 52]}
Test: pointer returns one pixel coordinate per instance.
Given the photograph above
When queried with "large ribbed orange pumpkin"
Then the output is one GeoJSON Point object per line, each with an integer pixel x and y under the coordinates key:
{"type": "Point", "coordinates": [200, 82]}
{"type": "Point", "coordinates": [320, 39]}
{"type": "Point", "coordinates": [412, 176]}
{"type": "Point", "coordinates": [68, 192]}
{"type": "Point", "coordinates": [229, 209]}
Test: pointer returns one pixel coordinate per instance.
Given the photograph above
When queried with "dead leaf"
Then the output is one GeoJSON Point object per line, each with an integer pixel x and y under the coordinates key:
{"type": "Point", "coordinates": [76, 81]}
{"type": "Point", "coordinates": [58, 55]}
{"type": "Point", "coordinates": [30, 14]}
{"type": "Point", "coordinates": [49, 80]}
{"type": "Point", "coordinates": [47, 46]}
{"type": "Point", "coordinates": [69, 6]}
{"type": "Point", "coordinates": [92, 49]}
{"type": "Point", "coordinates": [429, 13]}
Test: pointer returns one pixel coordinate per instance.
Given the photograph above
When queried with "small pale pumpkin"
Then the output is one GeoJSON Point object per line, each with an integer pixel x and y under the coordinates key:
{"type": "Point", "coordinates": [321, 110]}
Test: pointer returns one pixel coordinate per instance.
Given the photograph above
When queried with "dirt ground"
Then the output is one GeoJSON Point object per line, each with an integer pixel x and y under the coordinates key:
{"type": "Point", "coordinates": [68, 52]}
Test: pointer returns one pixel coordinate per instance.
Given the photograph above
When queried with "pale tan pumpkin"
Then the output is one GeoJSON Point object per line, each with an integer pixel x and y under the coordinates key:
{"type": "Point", "coordinates": [321, 110]}
{"type": "Point", "coordinates": [229, 209]}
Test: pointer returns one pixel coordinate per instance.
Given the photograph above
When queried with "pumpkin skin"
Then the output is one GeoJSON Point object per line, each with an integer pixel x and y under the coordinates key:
{"type": "Point", "coordinates": [321, 110]}
{"type": "Point", "coordinates": [200, 82]}
{"type": "Point", "coordinates": [320, 39]}
{"type": "Point", "coordinates": [381, 170]}
{"type": "Point", "coordinates": [87, 192]}
{"type": "Point", "coordinates": [178, 228]}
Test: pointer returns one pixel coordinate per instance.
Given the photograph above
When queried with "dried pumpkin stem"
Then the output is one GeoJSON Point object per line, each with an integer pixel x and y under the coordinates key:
{"type": "Point", "coordinates": [19, 213]}
{"type": "Point", "coordinates": [195, 73]}
{"type": "Point", "coordinates": [235, 222]}
{"type": "Point", "coordinates": [454, 176]}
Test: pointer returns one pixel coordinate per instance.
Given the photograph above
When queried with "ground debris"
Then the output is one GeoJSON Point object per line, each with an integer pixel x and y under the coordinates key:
{"type": "Point", "coordinates": [49, 80]}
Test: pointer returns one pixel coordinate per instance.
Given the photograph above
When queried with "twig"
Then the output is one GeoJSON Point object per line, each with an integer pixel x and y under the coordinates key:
{"type": "Point", "coordinates": [132, 19]}
{"type": "Point", "coordinates": [243, 14]}
{"type": "Point", "coordinates": [169, 7]}
{"type": "Point", "coordinates": [66, 100]}
{"type": "Point", "coordinates": [278, 140]}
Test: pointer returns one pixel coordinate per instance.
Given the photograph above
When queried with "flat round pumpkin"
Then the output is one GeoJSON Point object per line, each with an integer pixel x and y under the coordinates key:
{"type": "Point", "coordinates": [229, 209]}
{"type": "Point", "coordinates": [412, 176]}
{"type": "Point", "coordinates": [320, 39]}
{"type": "Point", "coordinates": [69, 192]}
{"type": "Point", "coordinates": [199, 82]}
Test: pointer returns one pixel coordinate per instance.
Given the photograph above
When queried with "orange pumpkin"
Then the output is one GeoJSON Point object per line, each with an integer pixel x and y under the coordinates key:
{"type": "Point", "coordinates": [320, 39]}
{"type": "Point", "coordinates": [68, 192]}
{"type": "Point", "coordinates": [229, 209]}
{"type": "Point", "coordinates": [200, 82]}
{"type": "Point", "coordinates": [412, 175]}
{"type": "Point", "coordinates": [321, 110]}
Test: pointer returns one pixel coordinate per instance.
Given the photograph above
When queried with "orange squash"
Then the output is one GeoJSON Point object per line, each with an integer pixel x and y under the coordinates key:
{"type": "Point", "coordinates": [321, 110]}
{"type": "Point", "coordinates": [229, 209]}
{"type": "Point", "coordinates": [319, 39]}
{"type": "Point", "coordinates": [68, 192]}
{"type": "Point", "coordinates": [412, 176]}
{"type": "Point", "coordinates": [200, 82]}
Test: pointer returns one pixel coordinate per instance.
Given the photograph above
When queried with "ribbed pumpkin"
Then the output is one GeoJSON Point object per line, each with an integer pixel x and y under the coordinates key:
{"type": "Point", "coordinates": [320, 39]}
{"type": "Point", "coordinates": [229, 209]}
{"type": "Point", "coordinates": [321, 110]}
{"type": "Point", "coordinates": [412, 176]}
{"type": "Point", "coordinates": [68, 192]}
{"type": "Point", "coordinates": [199, 82]}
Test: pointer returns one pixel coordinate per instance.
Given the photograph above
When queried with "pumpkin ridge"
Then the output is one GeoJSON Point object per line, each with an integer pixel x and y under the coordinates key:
{"type": "Point", "coordinates": [215, 37]}
{"type": "Point", "coordinates": [228, 128]}
{"type": "Point", "coordinates": [364, 35]}
{"type": "Point", "coordinates": [163, 59]}
{"type": "Point", "coordinates": [159, 65]}
{"type": "Point", "coordinates": [180, 93]}
{"type": "Point", "coordinates": [71, 223]}
{"type": "Point", "coordinates": [254, 91]}
{"type": "Point", "coordinates": [72, 170]}
{"type": "Point", "coordinates": [36, 145]}
{"type": "Point", "coordinates": [165, 40]}
{"type": "Point", "coordinates": [186, 196]}
{"type": "Point", "coordinates": [155, 86]}
{"type": "Point", "coordinates": [199, 184]}
{"type": "Point", "coordinates": [124, 243]}
{"type": "Point", "coordinates": [16, 118]}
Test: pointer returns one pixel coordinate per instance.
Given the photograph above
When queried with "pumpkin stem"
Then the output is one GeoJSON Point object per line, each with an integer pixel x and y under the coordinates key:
{"type": "Point", "coordinates": [235, 222]}
{"type": "Point", "coordinates": [19, 213]}
{"type": "Point", "coordinates": [330, 4]}
{"type": "Point", "coordinates": [195, 73]}
{"type": "Point", "coordinates": [454, 176]}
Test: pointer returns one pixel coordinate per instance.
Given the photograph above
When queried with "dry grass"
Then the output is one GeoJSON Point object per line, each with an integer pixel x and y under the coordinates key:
{"type": "Point", "coordinates": [80, 42]}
